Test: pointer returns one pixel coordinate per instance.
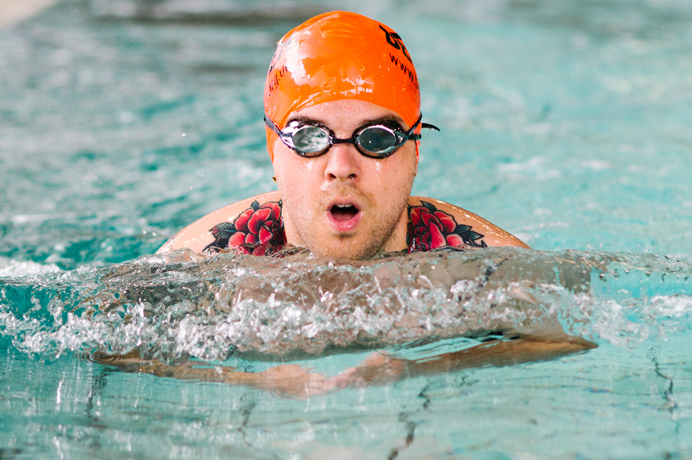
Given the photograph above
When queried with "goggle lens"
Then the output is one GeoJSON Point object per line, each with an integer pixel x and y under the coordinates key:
{"type": "Point", "coordinates": [377, 140]}
{"type": "Point", "coordinates": [310, 140]}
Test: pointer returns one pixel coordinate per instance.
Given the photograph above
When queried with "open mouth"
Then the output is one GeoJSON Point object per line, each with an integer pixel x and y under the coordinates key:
{"type": "Point", "coordinates": [343, 212]}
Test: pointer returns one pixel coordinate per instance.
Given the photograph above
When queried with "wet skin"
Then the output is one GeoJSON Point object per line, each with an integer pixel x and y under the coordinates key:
{"type": "Point", "coordinates": [344, 204]}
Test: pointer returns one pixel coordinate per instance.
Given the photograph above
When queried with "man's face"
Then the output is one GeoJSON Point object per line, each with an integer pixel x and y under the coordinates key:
{"type": "Point", "coordinates": [342, 203]}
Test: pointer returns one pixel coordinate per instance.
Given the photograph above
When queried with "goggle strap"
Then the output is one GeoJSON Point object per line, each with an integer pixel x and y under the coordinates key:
{"type": "Point", "coordinates": [429, 126]}
{"type": "Point", "coordinates": [417, 137]}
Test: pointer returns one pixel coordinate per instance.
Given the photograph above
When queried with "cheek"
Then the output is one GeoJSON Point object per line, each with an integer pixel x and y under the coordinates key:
{"type": "Point", "coordinates": [395, 172]}
{"type": "Point", "coordinates": [293, 172]}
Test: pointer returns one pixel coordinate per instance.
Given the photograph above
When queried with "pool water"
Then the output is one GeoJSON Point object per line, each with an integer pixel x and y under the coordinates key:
{"type": "Point", "coordinates": [562, 122]}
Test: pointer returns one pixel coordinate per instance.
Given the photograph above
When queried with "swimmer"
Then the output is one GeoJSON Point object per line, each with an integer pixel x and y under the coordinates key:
{"type": "Point", "coordinates": [343, 128]}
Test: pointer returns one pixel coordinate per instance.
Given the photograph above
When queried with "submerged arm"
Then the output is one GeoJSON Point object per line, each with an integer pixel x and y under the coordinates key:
{"type": "Point", "coordinates": [286, 380]}
{"type": "Point", "coordinates": [382, 368]}
{"type": "Point", "coordinates": [293, 381]}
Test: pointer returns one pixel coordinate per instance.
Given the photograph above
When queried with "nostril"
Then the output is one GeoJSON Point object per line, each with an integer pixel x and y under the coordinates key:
{"type": "Point", "coordinates": [342, 163]}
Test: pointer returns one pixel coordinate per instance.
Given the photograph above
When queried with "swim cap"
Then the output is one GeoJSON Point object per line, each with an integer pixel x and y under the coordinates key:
{"type": "Point", "coordinates": [340, 55]}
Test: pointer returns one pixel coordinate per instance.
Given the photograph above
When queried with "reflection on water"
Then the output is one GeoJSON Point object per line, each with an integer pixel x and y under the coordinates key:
{"type": "Point", "coordinates": [180, 305]}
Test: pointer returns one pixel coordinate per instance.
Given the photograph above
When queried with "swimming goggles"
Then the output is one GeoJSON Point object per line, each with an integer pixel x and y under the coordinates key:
{"type": "Point", "coordinates": [375, 140]}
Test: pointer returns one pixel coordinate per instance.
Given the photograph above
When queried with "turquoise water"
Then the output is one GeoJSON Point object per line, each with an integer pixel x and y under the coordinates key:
{"type": "Point", "coordinates": [562, 122]}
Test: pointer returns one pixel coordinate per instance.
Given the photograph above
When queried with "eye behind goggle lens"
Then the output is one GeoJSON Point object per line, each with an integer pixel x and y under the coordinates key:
{"type": "Point", "coordinates": [377, 140]}
{"type": "Point", "coordinates": [310, 140]}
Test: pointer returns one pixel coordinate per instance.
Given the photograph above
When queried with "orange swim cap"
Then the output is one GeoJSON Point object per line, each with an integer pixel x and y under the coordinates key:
{"type": "Point", "coordinates": [340, 55]}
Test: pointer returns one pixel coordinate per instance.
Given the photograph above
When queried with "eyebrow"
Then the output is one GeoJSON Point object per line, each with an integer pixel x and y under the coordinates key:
{"type": "Point", "coordinates": [372, 121]}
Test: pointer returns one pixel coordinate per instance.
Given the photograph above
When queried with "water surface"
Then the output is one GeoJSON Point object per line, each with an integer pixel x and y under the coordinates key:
{"type": "Point", "coordinates": [564, 123]}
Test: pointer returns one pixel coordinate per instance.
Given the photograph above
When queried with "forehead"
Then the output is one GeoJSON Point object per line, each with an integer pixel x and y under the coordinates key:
{"type": "Point", "coordinates": [346, 113]}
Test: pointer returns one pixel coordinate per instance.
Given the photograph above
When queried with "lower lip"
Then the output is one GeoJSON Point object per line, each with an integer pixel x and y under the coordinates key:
{"type": "Point", "coordinates": [344, 226]}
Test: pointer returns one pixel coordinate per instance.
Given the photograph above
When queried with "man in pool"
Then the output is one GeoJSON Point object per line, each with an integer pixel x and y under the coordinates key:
{"type": "Point", "coordinates": [342, 109]}
{"type": "Point", "coordinates": [343, 123]}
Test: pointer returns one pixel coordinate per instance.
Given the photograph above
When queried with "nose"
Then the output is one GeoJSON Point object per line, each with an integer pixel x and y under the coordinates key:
{"type": "Point", "coordinates": [343, 163]}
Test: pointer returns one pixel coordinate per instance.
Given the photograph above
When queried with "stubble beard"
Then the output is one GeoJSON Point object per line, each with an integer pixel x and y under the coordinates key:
{"type": "Point", "coordinates": [356, 247]}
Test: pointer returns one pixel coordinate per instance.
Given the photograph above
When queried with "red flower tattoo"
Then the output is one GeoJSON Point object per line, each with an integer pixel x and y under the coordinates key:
{"type": "Point", "coordinates": [430, 228]}
{"type": "Point", "coordinates": [258, 230]}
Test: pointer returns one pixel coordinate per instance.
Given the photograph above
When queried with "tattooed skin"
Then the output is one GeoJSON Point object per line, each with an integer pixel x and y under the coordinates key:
{"type": "Point", "coordinates": [430, 228]}
{"type": "Point", "coordinates": [259, 231]}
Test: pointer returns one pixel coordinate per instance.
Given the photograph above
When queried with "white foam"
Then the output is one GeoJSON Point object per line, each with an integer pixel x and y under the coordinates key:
{"type": "Point", "coordinates": [12, 267]}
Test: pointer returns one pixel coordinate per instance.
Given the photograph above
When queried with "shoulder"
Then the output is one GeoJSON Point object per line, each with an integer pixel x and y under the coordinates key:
{"type": "Point", "coordinates": [436, 224]}
{"type": "Point", "coordinates": [254, 220]}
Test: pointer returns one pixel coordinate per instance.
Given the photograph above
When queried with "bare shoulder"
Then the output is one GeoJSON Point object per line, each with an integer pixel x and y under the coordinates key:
{"type": "Point", "coordinates": [206, 231]}
{"type": "Point", "coordinates": [462, 225]}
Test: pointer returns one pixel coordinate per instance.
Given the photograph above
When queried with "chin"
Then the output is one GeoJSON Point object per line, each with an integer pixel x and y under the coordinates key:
{"type": "Point", "coordinates": [345, 250]}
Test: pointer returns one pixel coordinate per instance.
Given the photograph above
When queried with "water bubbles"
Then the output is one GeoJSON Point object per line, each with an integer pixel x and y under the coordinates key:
{"type": "Point", "coordinates": [180, 305]}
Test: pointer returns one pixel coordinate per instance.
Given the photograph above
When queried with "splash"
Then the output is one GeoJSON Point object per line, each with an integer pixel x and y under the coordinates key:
{"type": "Point", "coordinates": [182, 305]}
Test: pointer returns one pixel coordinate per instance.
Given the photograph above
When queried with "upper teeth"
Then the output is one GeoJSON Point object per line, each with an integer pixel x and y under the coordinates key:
{"type": "Point", "coordinates": [343, 205]}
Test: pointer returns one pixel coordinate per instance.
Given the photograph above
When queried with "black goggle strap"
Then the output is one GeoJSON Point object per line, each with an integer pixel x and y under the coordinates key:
{"type": "Point", "coordinates": [429, 126]}
{"type": "Point", "coordinates": [417, 137]}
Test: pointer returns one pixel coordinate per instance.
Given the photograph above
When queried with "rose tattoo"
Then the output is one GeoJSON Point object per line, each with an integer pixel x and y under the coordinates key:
{"type": "Point", "coordinates": [257, 230]}
{"type": "Point", "coordinates": [430, 228]}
